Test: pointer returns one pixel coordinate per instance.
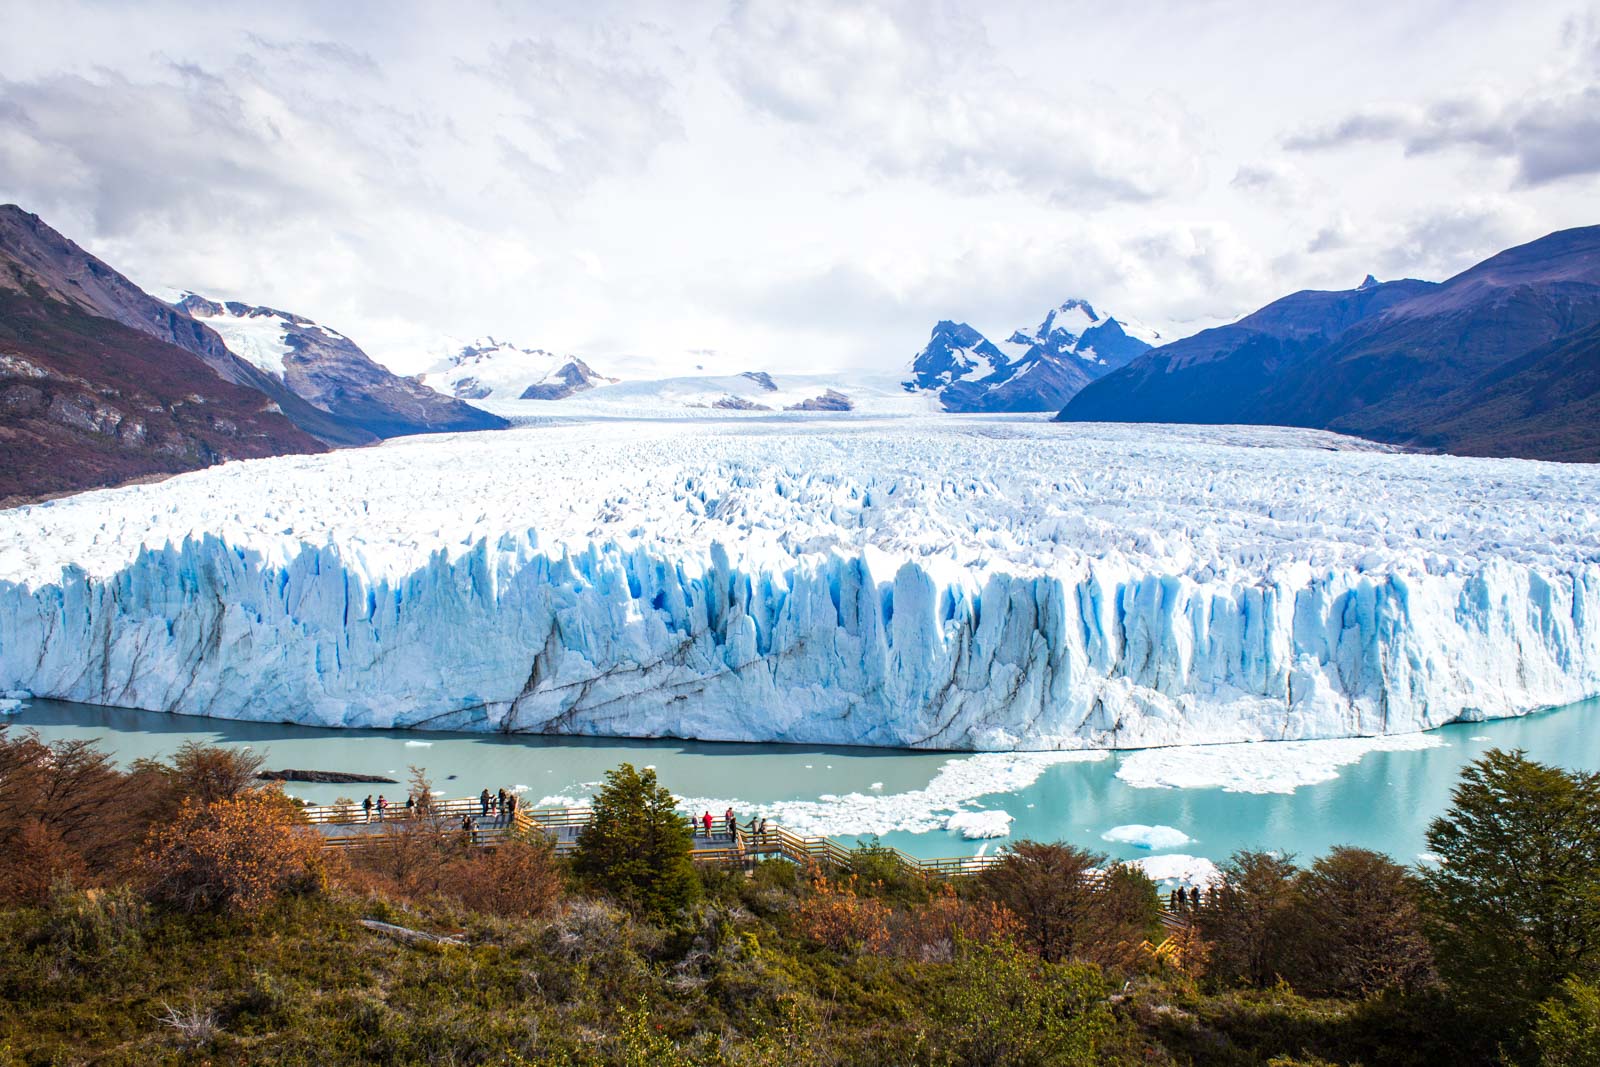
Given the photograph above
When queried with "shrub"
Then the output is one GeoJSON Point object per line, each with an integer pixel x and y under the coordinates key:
{"type": "Point", "coordinates": [1567, 1031]}
{"type": "Point", "coordinates": [92, 928]}
{"type": "Point", "coordinates": [835, 914]}
{"type": "Point", "coordinates": [1003, 1006]}
{"type": "Point", "coordinates": [518, 878]}
{"type": "Point", "coordinates": [233, 854]}
{"type": "Point", "coordinates": [931, 932]}
{"type": "Point", "coordinates": [636, 846]}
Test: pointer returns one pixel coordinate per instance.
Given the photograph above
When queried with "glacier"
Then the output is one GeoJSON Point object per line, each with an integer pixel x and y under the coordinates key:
{"type": "Point", "coordinates": [964, 583]}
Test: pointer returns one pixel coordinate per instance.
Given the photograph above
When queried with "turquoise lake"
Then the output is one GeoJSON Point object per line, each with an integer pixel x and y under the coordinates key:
{"type": "Point", "coordinates": [1384, 800]}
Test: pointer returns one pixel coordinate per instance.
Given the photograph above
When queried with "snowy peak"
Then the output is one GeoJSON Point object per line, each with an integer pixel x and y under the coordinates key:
{"type": "Point", "coordinates": [488, 368]}
{"type": "Point", "coordinates": [1033, 367]}
{"type": "Point", "coordinates": [956, 354]}
{"type": "Point", "coordinates": [1369, 282]}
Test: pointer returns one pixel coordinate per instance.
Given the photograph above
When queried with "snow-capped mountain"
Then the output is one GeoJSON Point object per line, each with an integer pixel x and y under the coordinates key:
{"type": "Point", "coordinates": [488, 369]}
{"type": "Point", "coordinates": [327, 369]}
{"type": "Point", "coordinates": [1035, 369]}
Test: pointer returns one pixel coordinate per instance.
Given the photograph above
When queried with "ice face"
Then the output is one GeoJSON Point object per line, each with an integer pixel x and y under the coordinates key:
{"type": "Point", "coordinates": [960, 583]}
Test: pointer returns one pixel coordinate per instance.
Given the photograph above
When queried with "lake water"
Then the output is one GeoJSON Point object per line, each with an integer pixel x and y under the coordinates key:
{"type": "Point", "coordinates": [1376, 799]}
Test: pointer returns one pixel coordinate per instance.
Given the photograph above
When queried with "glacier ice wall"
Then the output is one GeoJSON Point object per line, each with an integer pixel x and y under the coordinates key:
{"type": "Point", "coordinates": [625, 641]}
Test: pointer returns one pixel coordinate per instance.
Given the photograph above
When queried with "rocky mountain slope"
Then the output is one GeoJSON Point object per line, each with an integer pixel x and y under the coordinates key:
{"type": "Point", "coordinates": [329, 371]}
{"type": "Point", "coordinates": [1497, 360]}
{"type": "Point", "coordinates": [1035, 369]}
{"type": "Point", "coordinates": [100, 384]}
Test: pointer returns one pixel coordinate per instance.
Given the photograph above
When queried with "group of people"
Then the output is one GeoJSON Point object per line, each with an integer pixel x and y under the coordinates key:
{"type": "Point", "coordinates": [381, 806]}
{"type": "Point", "coordinates": [1177, 900]}
{"type": "Point", "coordinates": [730, 824]}
{"type": "Point", "coordinates": [503, 804]}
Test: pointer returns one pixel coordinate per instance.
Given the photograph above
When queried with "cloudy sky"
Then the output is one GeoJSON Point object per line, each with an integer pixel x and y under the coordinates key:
{"type": "Point", "coordinates": [786, 185]}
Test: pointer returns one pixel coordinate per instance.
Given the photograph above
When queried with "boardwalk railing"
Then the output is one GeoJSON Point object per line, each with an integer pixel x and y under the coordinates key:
{"type": "Point", "coordinates": [348, 826]}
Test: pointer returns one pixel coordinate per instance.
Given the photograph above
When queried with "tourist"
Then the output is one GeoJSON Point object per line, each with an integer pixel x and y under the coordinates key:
{"type": "Point", "coordinates": [706, 821]}
{"type": "Point", "coordinates": [469, 828]}
{"type": "Point", "coordinates": [763, 829]}
{"type": "Point", "coordinates": [383, 807]}
{"type": "Point", "coordinates": [731, 824]}
{"type": "Point", "coordinates": [1194, 896]}
{"type": "Point", "coordinates": [366, 805]}
{"type": "Point", "coordinates": [499, 805]}
{"type": "Point", "coordinates": [511, 809]}
{"type": "Point", "coordinates": [483, 803]}
{"type": "Point", "coordinates": [1172, 900]}
{"type": "Point", "coordinates": [411, 805]}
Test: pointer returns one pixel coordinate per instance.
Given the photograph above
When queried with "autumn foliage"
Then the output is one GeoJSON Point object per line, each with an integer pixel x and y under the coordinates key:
{"type": "Point", "coordinates": [237, 853]}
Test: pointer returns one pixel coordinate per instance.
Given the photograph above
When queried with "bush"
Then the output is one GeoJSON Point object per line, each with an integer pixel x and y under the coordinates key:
{"type": "Point", "coordinates": [1002, 1006]}
{"type": "Point", "coordinates": [233, 854]}
{"type": "Point", "coordinates": [519, 878]}
{"type": "Point", "coordinates": [1567, 1033]}
{"type": "Point", "coordinates": [836, 915]}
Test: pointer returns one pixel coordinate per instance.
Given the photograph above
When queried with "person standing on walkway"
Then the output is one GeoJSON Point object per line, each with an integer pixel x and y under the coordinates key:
{"type": "Point", "coordinates": [483, 803]}
{"type": "Point", "coordinates": [366, 806]}
{"type": "Point", "coordinates": [730, 824]}
{"type": "Point", "coordinates": [500, 805]}
{"type": "Point", "coordinates": [706, 822]}
{"type": "Point", "coordinates": [383, 807]}
{"type": "Point", "coordinates": [1194, 897]}
{"type": "Point", "coordinates": [511, 808]}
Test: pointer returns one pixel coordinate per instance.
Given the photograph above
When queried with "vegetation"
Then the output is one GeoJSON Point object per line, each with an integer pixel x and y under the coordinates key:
{"type": "Point", "coordinates": [184, 913]}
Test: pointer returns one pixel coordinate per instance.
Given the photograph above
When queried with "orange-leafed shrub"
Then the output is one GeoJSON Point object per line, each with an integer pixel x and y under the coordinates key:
{"type": "Point", "coordinates": [836, 915]}
{"type": "Point", "coordinates": [931, 932]}
{"type": "Point", "coordinates": [237, 853]}
{"type": "Point", "coordinates": [516, 879]}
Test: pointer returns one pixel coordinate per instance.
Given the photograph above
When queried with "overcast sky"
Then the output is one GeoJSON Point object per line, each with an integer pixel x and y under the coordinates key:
{"type": "Point", "coordinates": [789, 186]}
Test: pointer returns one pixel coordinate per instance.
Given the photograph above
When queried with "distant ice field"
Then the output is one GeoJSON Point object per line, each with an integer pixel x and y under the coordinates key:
{"type": "Point", "coordinates": [934, 581]}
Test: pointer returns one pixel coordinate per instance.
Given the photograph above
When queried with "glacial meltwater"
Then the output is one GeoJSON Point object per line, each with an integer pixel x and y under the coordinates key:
{"type": "Point", "coordinates": [1168, 807]}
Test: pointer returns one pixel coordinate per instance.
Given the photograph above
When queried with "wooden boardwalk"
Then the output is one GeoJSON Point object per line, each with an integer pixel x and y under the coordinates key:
{"type": "Point", "coordinates": [348, 826]}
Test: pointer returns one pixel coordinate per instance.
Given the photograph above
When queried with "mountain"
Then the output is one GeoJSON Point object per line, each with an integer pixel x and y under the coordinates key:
{"type": "Point", "coordinates": [487, 369]}
{"type": "Point", "coordinates": [1219, 375]}
{"type": "Point", "coordinates": [59, 268]}
{"type": "Point", "coordinates": [1034, 369]}
{"type": "Point", "coordinates": [1496, 360]}
{"type": "Point", "coordinates": [101, 384]}
{"type": "Point", "coordinates": [330, 372]}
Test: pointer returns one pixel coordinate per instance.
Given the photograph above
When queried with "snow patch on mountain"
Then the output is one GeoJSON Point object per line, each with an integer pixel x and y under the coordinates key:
{"type": "Point", "coordinates": [488, 369]}
{"type": "Point", "coordinates": [257, 335]}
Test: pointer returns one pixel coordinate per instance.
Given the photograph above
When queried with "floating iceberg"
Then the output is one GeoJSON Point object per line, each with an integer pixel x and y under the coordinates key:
{"type": "Point", "coordinates": [953, 583]}
{"type": "Point", "coordinates": [1142, 836]}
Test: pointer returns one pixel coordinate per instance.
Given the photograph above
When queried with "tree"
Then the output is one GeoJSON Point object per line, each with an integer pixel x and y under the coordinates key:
{"type": "Point", "coordinates": [237, 853]}
{"type": "Point", "coordinates": [1514, 904]}
{"type": "Point", "coordinates": [1356, 927]}
{"type": "Point", "coordinates": [1069, 905]}
{"type": "Point", "coordinates": [1245, 917]}
{"type": "Point", "coordinates": [62, 807]}
{"type": "Point", "coordinates": [636, 845]}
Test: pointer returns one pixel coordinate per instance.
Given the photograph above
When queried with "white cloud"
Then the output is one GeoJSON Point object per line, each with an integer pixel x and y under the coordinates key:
{"type": "Point", "coordinates": [788, 185]}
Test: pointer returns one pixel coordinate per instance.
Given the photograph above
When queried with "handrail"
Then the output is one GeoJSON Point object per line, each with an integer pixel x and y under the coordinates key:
{"type": "Point", "coordinates": [744, 845]}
